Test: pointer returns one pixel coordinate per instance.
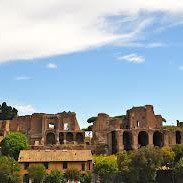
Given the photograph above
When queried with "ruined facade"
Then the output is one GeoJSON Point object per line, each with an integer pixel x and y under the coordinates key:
{"type": "Point", "coordinates": [139, 127]}
{"type": "Point", "coordinates": [46, 129]}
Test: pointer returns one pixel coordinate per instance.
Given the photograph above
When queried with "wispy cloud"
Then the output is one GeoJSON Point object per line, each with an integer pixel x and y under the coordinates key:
{"type": "Point", "coordinates": [25, 109]}
{"type": "Point", "coordinates": [20, 78]}
{"type": "Point", "coordinates": [133, 58]}
{"type": "Point", "coordinates": [51, 66]}
{"type": "Point", "coordinates": [141, 45]}
{"type": "Point", "coordinates": [48, 28]}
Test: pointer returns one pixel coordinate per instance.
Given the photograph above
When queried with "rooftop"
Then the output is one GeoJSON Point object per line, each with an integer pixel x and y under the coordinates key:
{"type": "Point", "coordinates": [54, 155]}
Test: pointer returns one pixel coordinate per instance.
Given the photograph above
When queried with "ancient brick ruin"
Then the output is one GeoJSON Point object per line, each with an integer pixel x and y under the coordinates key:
{"type": "Point", "coordinates": [46, 129]}
{"type": "Point", "coordinates": [139, 127]}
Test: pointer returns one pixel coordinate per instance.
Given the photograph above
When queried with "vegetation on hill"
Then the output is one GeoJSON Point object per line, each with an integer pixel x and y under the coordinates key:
{"type": "Point", "coordinates": [173, 128]}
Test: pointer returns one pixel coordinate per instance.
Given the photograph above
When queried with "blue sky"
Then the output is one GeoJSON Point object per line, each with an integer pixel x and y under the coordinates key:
{"type": "Point", "coordinates": [107, 59]}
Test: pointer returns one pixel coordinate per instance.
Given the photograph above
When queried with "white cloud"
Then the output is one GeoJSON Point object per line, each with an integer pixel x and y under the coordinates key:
{"type": "Point", "coordinates": [181, 68]}
{"type": "Point", "coordinates": [32, 28]}
{"type": "Point", "coordinates": [142, 45]}
{"type": "Point", "coordinates": [51, 66]}
{"type": "Point", "coordinates": [133, 58]}
{"type": "Point", "coordinates": [24, 109]}
{"type": "Point", "coordinates": [19, 78]}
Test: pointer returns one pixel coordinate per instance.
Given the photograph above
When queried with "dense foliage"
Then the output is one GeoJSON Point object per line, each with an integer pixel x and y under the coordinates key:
{"type": "Point", "coordinates": [37, 173]}
{"type": "Point", "coordinates": [7, 112]}
{"type": "Point", "coordinates": [13, 143]}
{"type": "Point", "coordinates": [55, 176]}
{"type": "Point", "coordinates": [105, 166]}
{"type": "Point", "coordinates": [72, 175]}
{"type": "Point", "coordinates": [9, 170]}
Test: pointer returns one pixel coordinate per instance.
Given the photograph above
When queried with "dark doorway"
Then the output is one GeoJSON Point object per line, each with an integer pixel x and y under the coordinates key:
{"type": "Point", "coordinates": [50, 139]}
{"type": "Point", "coordinates": [79, 138]}
{"type": "Point", "coordinates": [61, 138]}
{"type": "Point", "coordinates": [143, 138]}
{"type": "Point", "coordinates": [69, 137]}
{"type": "Point", "coordinates": [114, 143]}
{"type": "Point", "coordinates": [178, 137]}
{"type": "Point", "coordinates": [127, 140]}
{"type": "Point", "coordinates": [158, 139]}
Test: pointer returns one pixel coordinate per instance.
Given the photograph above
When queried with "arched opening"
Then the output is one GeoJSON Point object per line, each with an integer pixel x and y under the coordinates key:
{"type": "Point", "coordinates": [114, 143]}
{"type": "Point", "coordinates": [127, 140]}
{"type": "Point", "coordinates": [50, 139]}
{"type": "Point", "coordinates": [61, 138]}
{"type": "Point", "coordinates": [79, 138]}
{"type": "Point", "coordinates": [158, 139]}
{"type": "Point", "coordinates": [143, 138]}
{"type": "Point", "coordinates": [69, 137]}
{"type": "Point", "coordinates": [178, 137]}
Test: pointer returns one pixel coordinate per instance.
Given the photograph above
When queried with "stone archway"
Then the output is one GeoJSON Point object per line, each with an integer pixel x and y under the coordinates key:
{"type": "Point", "coordinates": [114, 142]}
{"type": "Point", "coordinates": [158, 139]}
{"type": "Point", "coordinates": [61, 138]}
{"type": "Point", "coordinates": [127, 140]}
{"type": "Point", "coordinates": [50, 138]}
{"type": "Point", "coordinates": [69, 137]}
{"type": "Point", "coordinates": [79, 138]}
{"type": "Point", "coordinates": [143, 138]}
{"type": "Point", "coordinates": [178, 137]}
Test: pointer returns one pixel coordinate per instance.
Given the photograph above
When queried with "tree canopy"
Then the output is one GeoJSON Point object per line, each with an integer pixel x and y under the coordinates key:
{"type": "Point", "coordinates": [7, 112]}
{"type": "Point", "coordinates": [37, 173]}
{"type": "Point", "coordinates": [92, 119]}
{"type": "Point", "coordinates": [55, 176]}
{"type": "Point", "coordinates": [9, 170]}
{"type": "Point", "coordinates": [13, 143]}
{"type": "Point", "coordinates": [105, 166]}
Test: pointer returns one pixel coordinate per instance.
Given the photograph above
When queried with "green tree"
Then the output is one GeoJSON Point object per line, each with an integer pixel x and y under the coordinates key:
{"type": "Point", "coordinates": [178, 150]}
{"type": "Point", "coordinates": [13, 143]}
{"type": "Point", "coordinates": [37, 173]}
{"type": "Point", "coordinates": [105, 166]}
{"type": "Point", "coordinates": [124, 161]}
{"type": "Point", "coordinates": [72, 174]}
{"type": "Point", "coordinates": [7, 112]}
{"type": "Point", "coordinates": [168, 156]}
{"type": "Point", "coordinates": [179, 171]}
{"type": "Point", "coordinates": [145, 163]}
{"type": "Point", "coordinates": [9, 170]}
{"type": "Point", "coordinates": [92, 120]}
{"type": "Point", "coordinates": [86, 178]}
{"type": "Point", "coordinates": [55, 177]}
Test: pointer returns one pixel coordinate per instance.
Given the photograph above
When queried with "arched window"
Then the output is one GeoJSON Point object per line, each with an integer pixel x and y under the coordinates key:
{"type": "Point", "coordinates": [143, 138]}
{"type": "Point", "coordinates": [178, 137]}
{"type": "Point", "coordinates": [127, 140]}
{"type": "Point", "coordinates": [50, 139]}
{"type": "Point", "coordinates": [79, 138]}
{"type": "Point", "coordinates": [69, 137]}
{"type": "Point", "coordinates": [158, 139]}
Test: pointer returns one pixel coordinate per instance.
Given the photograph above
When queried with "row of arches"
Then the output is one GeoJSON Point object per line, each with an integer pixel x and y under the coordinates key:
{"type": "Point", "coordinates": [68, 137]}
{"type": "Point", "coordinates": [143, 139]}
